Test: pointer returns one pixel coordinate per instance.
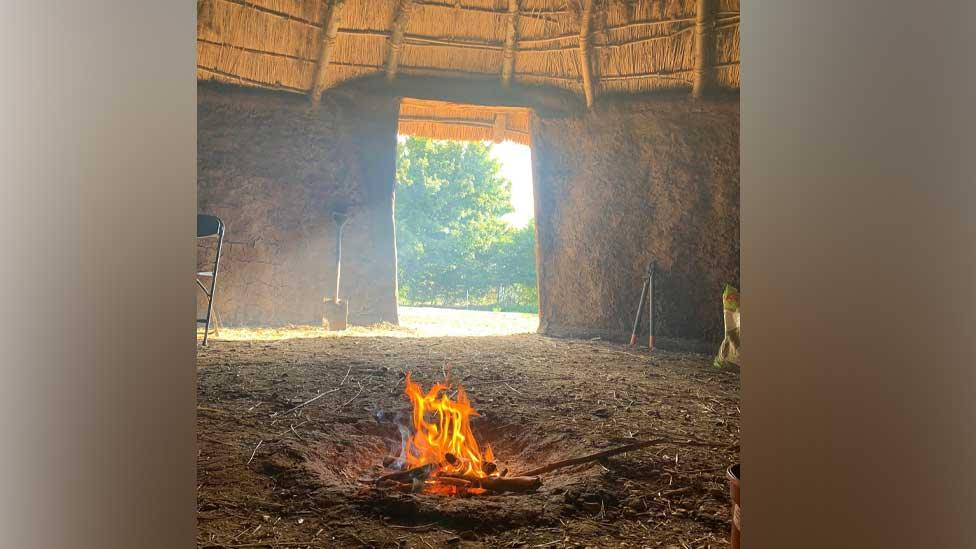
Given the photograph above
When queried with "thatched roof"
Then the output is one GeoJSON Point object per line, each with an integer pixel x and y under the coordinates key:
{"type": "Point", "coordinates": [443, 120]}
{"type": "Point", "coordinates": [589, 47]}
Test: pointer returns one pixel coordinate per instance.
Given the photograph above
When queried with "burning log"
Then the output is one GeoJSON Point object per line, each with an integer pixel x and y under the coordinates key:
{"type": "Point", "coordinates": [395, 485]}
{"type": "Point", "coordinates": [500, 484]}
{"type": "Point", "coordinates": [511, 484]}
{"type": "Point", "coordinates": [421, 473]}
{"type": "Point", "coordinates": [440, 436]}
{"type": "Point", "coordinates": [454, 481]}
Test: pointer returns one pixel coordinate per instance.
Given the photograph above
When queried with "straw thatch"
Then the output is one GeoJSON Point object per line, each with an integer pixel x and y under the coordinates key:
{"type": "Point", "coordinates": [590, 47]}
{"type": "Point", "coordinates": [443, 120]}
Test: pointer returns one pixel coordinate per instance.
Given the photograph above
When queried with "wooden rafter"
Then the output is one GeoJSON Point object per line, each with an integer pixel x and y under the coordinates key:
{"type": "Point", "coordinates": [330, 29]}
{"type": "Point", "coordinates": [396, 37]}
{"type": "Point", "coordinates": [511, 35]}
{"type": "Point", "coordinates": [704, 46]}
{"type": "Point", "coordinates": [584, 51]}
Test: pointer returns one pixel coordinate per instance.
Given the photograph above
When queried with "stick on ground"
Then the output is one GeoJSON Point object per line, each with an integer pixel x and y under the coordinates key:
{"type": "Point", "coordinates": [316, 397]}
{"type": "Point", "coordinates": [605, 454]}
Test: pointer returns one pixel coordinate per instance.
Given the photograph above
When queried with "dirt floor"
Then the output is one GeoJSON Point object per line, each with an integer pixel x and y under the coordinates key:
{"type": "Point", "coordinates": [270, 477]}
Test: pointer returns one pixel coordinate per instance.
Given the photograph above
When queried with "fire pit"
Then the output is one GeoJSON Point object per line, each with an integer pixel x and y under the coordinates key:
{"type": "Point", "coordinates": [440, 453]}
{"type": "Point", "coordinates": [306, 441]}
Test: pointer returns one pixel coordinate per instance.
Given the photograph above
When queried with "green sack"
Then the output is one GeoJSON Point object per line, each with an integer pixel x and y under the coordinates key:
{"type": "Point", "coordinates": [728, 352]}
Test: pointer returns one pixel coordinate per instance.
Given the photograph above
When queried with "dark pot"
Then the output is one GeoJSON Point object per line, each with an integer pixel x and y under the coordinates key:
{"type": "Point", "coordinates": [734, 477]}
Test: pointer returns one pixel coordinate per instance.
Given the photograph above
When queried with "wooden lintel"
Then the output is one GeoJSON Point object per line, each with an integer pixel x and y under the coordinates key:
{"type": "Point", "coordinates": [704, 45]}
{"type": "Point", "coordinates": [396, 37]}
{"type": "Point", "coordinates": [584, 51]}
{"type": "Point", "coordinates": [511, 35]}
{"type": "Point", "coordinates": [330, 29]}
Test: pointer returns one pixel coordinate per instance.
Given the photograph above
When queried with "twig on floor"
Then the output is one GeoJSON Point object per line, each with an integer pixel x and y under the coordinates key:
{"type": "Point", "coordinates": [694, 471]}
{"type": "Point", "coordinates": [418, 527]}
{"type": "Point", "coordinates": [316, 397]}
{"type": "Point", "coordinates": [425, 542]}
{"type": "Point", "coordinates": [343, 405]}
{"type": "Point", "coordinates": [208, 439]}
{"type": "Point", "coordinates": [211, 410]}
{"type": "Point", "coordinates": [292, 428]}
{"type": "Point", "coordinates": [260, 442]}
{"type": "Point", "coordinates": [306, 403]}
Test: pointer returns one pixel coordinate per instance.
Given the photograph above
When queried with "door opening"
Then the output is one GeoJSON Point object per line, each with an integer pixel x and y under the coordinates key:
{"type": "Point", "coordinates": [465, 231]}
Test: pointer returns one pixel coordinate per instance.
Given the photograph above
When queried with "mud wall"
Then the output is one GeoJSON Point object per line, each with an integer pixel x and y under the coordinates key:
{"type": "Point", "coordinates": [274, 172]}
{"type": "Point", "coordinates": [641, 178]}
{"type": "Point", "coordinates": [636, 180]}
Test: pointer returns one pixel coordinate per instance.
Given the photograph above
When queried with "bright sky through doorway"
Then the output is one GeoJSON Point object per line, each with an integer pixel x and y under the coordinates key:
{"type": "Point", "coordinates": [516, 162]}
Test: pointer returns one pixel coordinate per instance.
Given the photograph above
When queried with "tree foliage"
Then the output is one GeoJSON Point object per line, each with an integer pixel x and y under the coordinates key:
{"type": "Point", "coordinates": [453, 246]}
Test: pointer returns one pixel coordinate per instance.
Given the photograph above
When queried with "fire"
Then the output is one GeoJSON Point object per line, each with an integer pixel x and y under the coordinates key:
{"type": "Point", "coordinates": [441, 436]}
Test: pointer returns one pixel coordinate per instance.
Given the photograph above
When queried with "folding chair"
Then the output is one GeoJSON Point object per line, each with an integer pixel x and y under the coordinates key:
{"type": "Point", "coordinates": [209, 226]}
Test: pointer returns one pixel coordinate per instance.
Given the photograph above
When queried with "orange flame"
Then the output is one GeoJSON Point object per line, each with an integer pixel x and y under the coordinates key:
{"type": "Point", "coordinates": [441, 433]}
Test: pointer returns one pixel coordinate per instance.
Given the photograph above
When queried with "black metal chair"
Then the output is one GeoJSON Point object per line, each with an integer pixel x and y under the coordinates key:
{"type": "Point", "coordinates": [209, 226]}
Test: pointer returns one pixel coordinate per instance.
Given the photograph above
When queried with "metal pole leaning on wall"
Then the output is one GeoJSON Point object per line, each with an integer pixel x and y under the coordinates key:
{"type": "Point", "coordinates": [646, 297]}
{"type": "Point", "coordinates": [650, 306]}
{"type": "Point", "coordinates": [340, 221]}
{"type": "Point", "coordinates": [335, 312]}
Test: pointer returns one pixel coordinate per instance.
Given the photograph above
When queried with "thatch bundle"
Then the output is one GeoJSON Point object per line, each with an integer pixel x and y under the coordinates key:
{"type": "Point", "coordinates": [590, 47]}
{"type": "Point", "coordinates": [443, 120]}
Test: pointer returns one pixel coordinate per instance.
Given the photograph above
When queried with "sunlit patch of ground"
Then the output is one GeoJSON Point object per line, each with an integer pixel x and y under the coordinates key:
{"type": "Point", "coordinates": [414, 322]}
{"type": "Point", "coordinates": [433, 322]}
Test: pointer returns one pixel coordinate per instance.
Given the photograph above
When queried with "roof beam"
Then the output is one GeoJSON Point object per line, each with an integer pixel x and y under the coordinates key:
{"type": "Point", "coordinates": [396, 37]}
{"type": "Point", "coordinates": [584, 51]}
{"type": "Point", "coordinates": [330, 29]}
{"type": "Point", "coordinates": [511, 35]}
{"type": "Point", "coordinates": [704, 45]}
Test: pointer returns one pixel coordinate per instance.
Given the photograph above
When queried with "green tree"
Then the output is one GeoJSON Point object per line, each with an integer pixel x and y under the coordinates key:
{"type": "Point", "coordinates": [453, 245]}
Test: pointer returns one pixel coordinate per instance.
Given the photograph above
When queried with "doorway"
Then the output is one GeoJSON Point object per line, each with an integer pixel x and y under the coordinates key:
{"type": "Point", "coordinates": [464, 216]}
